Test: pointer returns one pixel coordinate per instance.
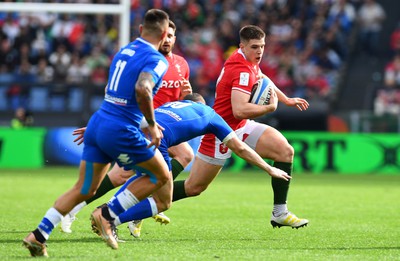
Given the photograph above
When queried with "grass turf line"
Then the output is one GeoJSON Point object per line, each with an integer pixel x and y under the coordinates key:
{"type": "Point", "coordinates": [351, 218]}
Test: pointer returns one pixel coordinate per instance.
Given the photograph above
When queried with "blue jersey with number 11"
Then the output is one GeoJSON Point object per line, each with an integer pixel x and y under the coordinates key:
{"type": "Point", "coordinates": [120, 97]}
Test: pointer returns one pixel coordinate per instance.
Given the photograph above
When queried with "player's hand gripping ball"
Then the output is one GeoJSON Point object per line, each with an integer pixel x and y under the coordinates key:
{"type": "Point", "coordinates": [261, 91]}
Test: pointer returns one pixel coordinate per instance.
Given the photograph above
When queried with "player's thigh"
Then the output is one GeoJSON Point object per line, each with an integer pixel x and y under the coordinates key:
{"type": "Point", "coordinates": [156, 166]}
{"type": "Point", "coordinates": [273, 145]}
{"type": "Point", "coordinates": [202, 173]}
{"type": "Point", "coordinates": [182, 152]}
{"type": "Point", "coordinates": [118, 175]}
{"type": "Point", "coordinates": [90, 176]}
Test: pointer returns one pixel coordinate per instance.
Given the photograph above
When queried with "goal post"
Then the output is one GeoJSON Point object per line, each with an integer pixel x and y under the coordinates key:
{"type": "Point", "coordinates": [122, 9]}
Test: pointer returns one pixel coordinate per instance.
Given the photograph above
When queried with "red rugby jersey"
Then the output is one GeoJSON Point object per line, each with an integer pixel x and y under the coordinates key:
{"type": "Point", "coordinates": [237, 74]}
{"type": "Point", "coordinates": [170, 87]}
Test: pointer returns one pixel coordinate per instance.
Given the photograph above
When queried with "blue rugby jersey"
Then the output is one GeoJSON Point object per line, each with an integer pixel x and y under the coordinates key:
{"type": "Point", "coordinates": [185, 120]}
{"type": "Point", "coordinates": [120, 97]}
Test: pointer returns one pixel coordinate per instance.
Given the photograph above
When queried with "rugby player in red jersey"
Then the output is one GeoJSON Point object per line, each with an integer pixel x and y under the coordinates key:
{"type": "Point", "coordinates": [233, 90]}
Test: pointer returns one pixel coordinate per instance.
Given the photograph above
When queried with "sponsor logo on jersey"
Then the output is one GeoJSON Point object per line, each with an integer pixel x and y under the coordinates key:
{"type": "Point", "coordinates": [115, 100]}
{"type": "Point", "coordinates": [124, 159]}
{"type": "Point", "coordinates": [244, 78]}
{"type": "Point", "coordinates": [170, 84]}
{"type": "Point", "coordinates": [170, 113]}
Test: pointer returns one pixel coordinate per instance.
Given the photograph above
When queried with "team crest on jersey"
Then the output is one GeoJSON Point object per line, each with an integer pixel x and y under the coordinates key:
{"type": "Point", "coordinates": [223, 148]}
{"type": "Point", "coordinates": [178, 68]}
{"type": "Point", "coordinates": [244, 78]}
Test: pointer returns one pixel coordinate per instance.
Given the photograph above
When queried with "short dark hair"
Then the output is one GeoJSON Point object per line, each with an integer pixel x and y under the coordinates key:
{"type": "Point", "coordinates": [172, 25]}
{"type": "Point", "coordinates": [155, 20]}
{"type": "Point", "coordinates": [250, 32]}
{"type": "Point", "coordinates": [196, 97]}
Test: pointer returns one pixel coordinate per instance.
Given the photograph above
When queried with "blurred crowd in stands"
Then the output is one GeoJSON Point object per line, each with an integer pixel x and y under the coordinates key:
{"type": "Point", "coordinates": [387, 100]}
{"type": "Point", "coordinates": [308, 42]}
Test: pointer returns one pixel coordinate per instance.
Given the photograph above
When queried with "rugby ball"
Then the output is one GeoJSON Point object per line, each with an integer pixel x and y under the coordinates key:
{"type": "Point", "coordinates": [261, 91]}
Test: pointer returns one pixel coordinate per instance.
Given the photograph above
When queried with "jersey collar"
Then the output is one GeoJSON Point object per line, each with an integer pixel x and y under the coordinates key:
{"type": "Point", "coordinates": [145, 42]}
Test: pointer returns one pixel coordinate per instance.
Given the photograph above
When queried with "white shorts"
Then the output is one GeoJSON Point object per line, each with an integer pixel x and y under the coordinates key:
{"type": "Point", "coordinates": [213, 151]}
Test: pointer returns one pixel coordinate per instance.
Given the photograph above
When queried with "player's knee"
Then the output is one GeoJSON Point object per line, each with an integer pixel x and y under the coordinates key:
{"type": "Point", "coordinates": [285, 153]}
{"type": "Point", "coordinates": [185, 158]}
{"type": "Point", "coordinates": [119, 176]}
{"type": "Point", "coordinates": [288, 152]}
{"type": "Point", "coordinates": [90, 194]}
{"type": "Point", "coordinates": [163, 205]}
{"type": "Point", "coordinates": [163, 178]}
{"type": "Point", "coordinates": [188, 157]}
{"type": "Point", "coordinates": [192, 191]}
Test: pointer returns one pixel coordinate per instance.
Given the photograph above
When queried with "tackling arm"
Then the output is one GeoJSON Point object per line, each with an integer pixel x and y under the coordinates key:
{"type": "Point", "coordinates": [245, 152]}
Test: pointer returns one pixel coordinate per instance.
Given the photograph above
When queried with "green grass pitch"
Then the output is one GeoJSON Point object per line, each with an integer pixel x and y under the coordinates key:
{"type": "Point", "coordinates": [352, 217]}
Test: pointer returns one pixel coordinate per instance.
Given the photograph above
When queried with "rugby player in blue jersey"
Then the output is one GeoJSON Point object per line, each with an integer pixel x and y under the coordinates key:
{"type": "Point", "coordinates": [182, 121]}
{"type": "Point", "coordinates": [113, 134]}
{"type": "Point", "coordinates": [175, 86]}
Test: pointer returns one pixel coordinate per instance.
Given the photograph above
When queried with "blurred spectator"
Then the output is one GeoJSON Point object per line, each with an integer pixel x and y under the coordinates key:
{"type": "Point", "coordinates": [225, 36]}
{"type": "Point", "coordinates": [370, 17]}
{"type": "Point", "coordinates": [281, 31]}
{"type": "Point", "coordinates": [387, 101]}
{"type": "Point", "coordinates": [97, 58]}
{"type": "Point", "coordinates": [8, 56]}
{"type": "Point", "coordinates": [78, 71]}
{"type": "Point", "coordinates": [392, 72]}
{"type": "Point", "coordinates": [193, 14]}
{"type": "Point", "coordinates": [60, 60]}
{"type": "Point", "coordinates": [212, 62]}
{"type": "Point", "coordinates": [43, 71]}
{"type": "Point", "coordinates": [395, 39]}
{"type": "Point", "coordinates": [99, 75]}
{"type": "Point", "coordinates": [18, 92]}
{"type": "Point", "coordinates": [61, 31]}
{"type": "Point", "coordinates": [317, 84]}
{"type": "Point", "coordinates": [25, 35]}
{"type": "Point", "coordinates": [22, 119]}
{"type": "Point", "coordinates": [10, 27]}
{"type": "Point", "coordinates": [339, 24]}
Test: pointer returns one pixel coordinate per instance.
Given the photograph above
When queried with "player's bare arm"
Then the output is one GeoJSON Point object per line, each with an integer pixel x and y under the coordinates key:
{"type": "Point", "coordinates": [300, 103]}
{"type": "Point", "coordinates": [244, 151]}
{"type": "Point", "coordinates": [243, 109]}
{"type": "Point", "coordinates": [144, 87]}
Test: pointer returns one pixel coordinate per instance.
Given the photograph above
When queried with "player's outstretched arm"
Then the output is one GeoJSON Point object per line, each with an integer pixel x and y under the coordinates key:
{"type": "Point", "coordinates": [300, 103]}
{"type": "Point", "coordinates": [245, 152]}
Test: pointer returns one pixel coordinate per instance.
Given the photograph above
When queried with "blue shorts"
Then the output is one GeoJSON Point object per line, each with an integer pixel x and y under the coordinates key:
{"type": "Point", "coordinates": [108, 140]}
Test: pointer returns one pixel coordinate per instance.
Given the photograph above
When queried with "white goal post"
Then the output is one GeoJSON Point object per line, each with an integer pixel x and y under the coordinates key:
{"type": "Point", "coordinates": [122, 9]}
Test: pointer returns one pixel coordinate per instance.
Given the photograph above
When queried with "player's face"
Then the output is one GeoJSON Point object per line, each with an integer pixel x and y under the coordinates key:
{"type": "Point", "coordinates": [169, 42]}
{"type": "Point", "coordinates": [253, 50]}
